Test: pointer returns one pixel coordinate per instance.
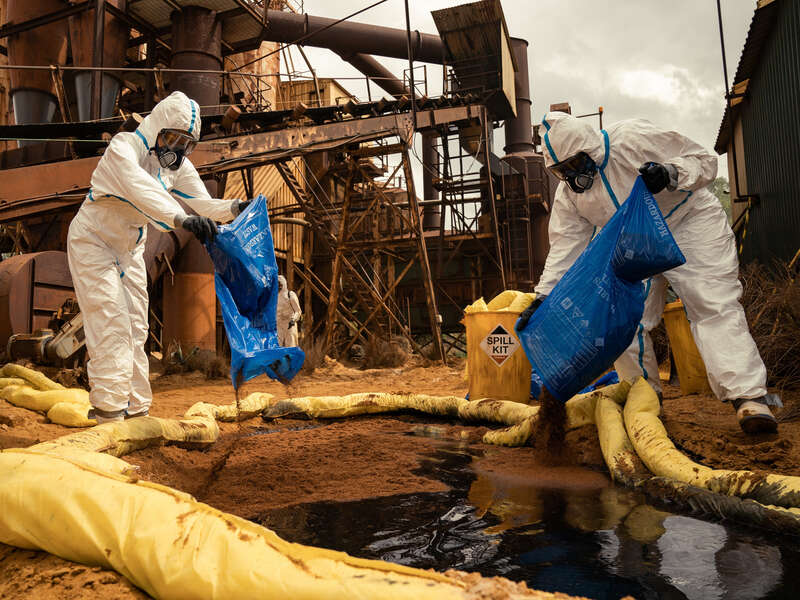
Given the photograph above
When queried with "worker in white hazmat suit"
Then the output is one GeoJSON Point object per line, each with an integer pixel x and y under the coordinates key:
{"type": "Point", "coordinates": [598, 170]}
{"type": "Point", "coordinates": [288, 314]}
{"type": "Point", "coordinates": [136, 183]}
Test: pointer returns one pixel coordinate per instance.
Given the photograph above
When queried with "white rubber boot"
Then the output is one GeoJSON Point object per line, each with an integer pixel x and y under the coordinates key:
{"type": "Point", "coordinates": [755, 416]}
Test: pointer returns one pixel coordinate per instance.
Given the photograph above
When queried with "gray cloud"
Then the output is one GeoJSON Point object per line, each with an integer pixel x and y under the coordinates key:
{"type": "Point", "coordinates": [645, 59]}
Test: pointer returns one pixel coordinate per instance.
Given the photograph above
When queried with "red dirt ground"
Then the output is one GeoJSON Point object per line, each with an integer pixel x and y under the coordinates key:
{"type": "Point", "coordinates": [258, 466]}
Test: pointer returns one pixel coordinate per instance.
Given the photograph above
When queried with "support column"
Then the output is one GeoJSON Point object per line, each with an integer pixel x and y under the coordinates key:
{"type": "Point", "coordinates": [290, 256]}
{"type": "Point", "coordinates": [430, 293]}
{"type": "Point", "coordinates": [337, 267]}
{"type": "Point", "coordinates": [97, 76]}
{"type": "Point", "coordinates": [308, 251]}
{"type": "Point", "coordinates": [190, 301]}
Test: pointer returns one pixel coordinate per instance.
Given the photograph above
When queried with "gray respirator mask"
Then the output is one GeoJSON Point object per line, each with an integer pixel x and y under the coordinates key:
{"type": "Point", "coordinates": [578, 171]}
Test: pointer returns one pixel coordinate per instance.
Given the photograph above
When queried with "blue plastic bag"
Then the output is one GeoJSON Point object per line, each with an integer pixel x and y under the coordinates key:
{"type": "Point", "coordinates": [645, 246]}
{"type": "Point", "coordinates": [246, 276]}
{"type": "Point", "coordinates": [592, 314]}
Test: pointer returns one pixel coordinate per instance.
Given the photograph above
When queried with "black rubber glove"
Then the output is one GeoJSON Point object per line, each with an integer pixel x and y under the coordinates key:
{"type": "Point", "coordinates": [655, 176]}
{"type": "Point", "coordinates": [203, 228]}
{"type": "Point", "coordinates": [526, 314]}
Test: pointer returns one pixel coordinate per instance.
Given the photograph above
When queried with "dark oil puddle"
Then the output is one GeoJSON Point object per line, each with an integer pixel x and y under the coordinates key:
{"type": "Point", "coordinates": [598, 541]}
{"type": "Point", "coordinates": [268, 430]}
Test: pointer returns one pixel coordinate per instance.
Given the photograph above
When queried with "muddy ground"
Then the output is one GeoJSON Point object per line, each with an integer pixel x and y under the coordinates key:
{"type": "Point", "coordinates": [258, 466]}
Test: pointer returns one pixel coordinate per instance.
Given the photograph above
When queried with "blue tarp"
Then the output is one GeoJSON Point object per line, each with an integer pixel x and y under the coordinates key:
{"type": "Point", "coordinates": [592, 314]}
{"type": "Point", "coordinates": [246, 276]}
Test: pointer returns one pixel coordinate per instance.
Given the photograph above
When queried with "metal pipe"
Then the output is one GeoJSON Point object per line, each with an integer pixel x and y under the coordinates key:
{"type": "Point", "coordinates": [411, 73]}
{"type": "Point", "coordinates": [431, 213]}
{"type": "Point", "coordinates": [352, 37]}
{"type": "Point", "coordinates": [138, 70]}
{"type": "Point", "coordinates": [313, 74]}
{"type": "Point", "coordinates": [376, 72]}
{"type": "Point", "coordinates": [519, 135]}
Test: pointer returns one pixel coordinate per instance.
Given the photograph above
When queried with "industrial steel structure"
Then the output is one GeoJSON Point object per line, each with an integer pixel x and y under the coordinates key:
{"type": "Point", "coordinates": [370, 258]}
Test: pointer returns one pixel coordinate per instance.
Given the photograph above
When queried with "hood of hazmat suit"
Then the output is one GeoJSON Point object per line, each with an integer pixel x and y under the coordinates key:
{"type": "Point", "coordinates": [129, 192]}
{"type": "Point", "coordinates": [707, 283]}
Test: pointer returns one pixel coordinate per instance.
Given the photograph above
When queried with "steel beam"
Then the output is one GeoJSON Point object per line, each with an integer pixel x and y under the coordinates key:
{"type": "Point", "coordinates": [98, 57]}
{"type": "Point", "coordinates": [427, 279]}
{"type": "Point", "coordinates": [13, 29]}
{"type": "Point", "coordinates": [27, 191]}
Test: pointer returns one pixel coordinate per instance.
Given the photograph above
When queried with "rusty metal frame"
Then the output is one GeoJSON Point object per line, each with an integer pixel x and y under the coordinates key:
{"type": "Point", "coordinates": [14, 28]}
{"type": "Point", "coordinates": [37, 185]}
{"type": "Point", "coordinates": [136, 23]}
{"type": "Point", "coordinates": [30, 191]}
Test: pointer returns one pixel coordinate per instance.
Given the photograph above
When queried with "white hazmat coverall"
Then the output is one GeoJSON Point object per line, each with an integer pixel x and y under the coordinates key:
{"type": "Point", "coordinates": [129, 190]}
{"type": "Point", "coordinates": [288, 312]}
{"type": "Point", "coordinates": [707, 283]}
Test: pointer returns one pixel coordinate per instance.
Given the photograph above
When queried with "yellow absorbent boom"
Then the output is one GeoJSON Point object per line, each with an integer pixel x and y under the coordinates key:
{"type": "Point", "coordinates": [652, 444]}
{"type": "Point", "coordinates": [165, 542]}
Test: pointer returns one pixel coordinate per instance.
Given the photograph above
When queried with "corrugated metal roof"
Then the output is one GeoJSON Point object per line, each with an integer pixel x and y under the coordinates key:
{"type": "Point", "coordinates": [760, 30]}
{"type": "Point", "coordinates": [236, 28]}
{"type": "Point", "coordinates": [240, 28]}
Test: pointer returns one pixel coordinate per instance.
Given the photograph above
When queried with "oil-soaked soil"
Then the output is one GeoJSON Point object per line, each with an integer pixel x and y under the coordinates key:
{"type": "Point", "coordinates": [278, 472]}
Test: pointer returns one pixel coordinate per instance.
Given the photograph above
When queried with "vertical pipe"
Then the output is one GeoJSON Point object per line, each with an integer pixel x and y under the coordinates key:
{"type": "Point", "coordinates": [411, 71]}
{"type": "Point", "coordinates": [519, 135]}
{"type": "Point", "coordinates": [97, 76]}
{"type": "Point", "coordinates": [431, 214]}
{"type": "Point", "coordinates": [490, 178]}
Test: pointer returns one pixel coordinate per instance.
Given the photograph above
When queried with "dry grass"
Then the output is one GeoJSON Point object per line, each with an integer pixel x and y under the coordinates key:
{"type": "Point", "coordinates": [205, 361]}
{"type": "Point", "coordinates": [771, 301]}
{"type": "Point", "coordinates": [382, 353]}
{"type": "Point", "coordinates": [315, 353]}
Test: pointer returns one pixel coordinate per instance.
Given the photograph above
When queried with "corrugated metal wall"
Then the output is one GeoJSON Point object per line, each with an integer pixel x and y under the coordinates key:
{"type": "Point", "coordinates": [771, 120]}
{"type": "Point", "coordinates": [293, 92]}
{"type": "Point", "coordinates": [267, 181]}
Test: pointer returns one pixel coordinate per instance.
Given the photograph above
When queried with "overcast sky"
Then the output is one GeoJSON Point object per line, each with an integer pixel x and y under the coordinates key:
{"type": "Point", "coordinates": [646, 58]}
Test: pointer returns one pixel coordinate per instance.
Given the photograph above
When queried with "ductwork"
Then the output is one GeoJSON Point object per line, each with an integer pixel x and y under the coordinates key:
{"type": "Point", "coordinates": [349, 37]}
{"type": "Point", "coordinates": [376, 72]}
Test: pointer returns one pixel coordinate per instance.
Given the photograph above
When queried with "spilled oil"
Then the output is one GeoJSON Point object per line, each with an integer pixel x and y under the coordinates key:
{"type": "Point", "coordinates": [593, 539]}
